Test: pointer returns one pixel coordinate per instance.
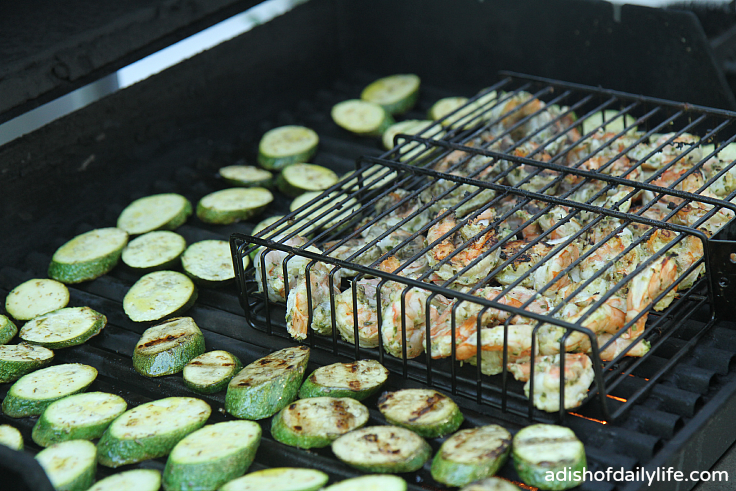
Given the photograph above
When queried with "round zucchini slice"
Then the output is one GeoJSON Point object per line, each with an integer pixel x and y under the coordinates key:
{"type": "Point", "coordinates": [279, 479]}
{"type": "Point", "coordinates": [286, 145]}
{"type": "Point", "coordinates": [70, 465]}
{"type": "Point", "coordinates": [36, 297]}
{"type": "Point", "coordinates": [232, 205]}
{"type": "Point", "coordinates": [382, 449]}
{"type": "Point", "coordinates": [362, 117]}
{"type": "Point", "coordinates": [541, 448]}
{"type": "Point", "coordinates": [211, 456]}
{"type": "Point", "coordinates": [88, 256]}
{"type": "Point", "coordinates": [462, 117]}
{"type": "Point", "coordinates": [490, 484]}
{"type": "Point", "coordinates": [247, 176]}
{"type": "Point", "coordinates": [17, 360]}
{"type": "Point", "coordinates": [334, 206]}
{"type": "Point", "coordinates": [158, 295]}
{"type": "Point", "coordinates": [211, 372]}
{"type": "Point", "coordinates": [411, 150]}
{"type": "Point", "coordinates": [77, 417]}
{"type": "Point", "coordinates": [427, 412]}
{"type": "Point", "coordinates": [11, 437]}
{"type": "Point", "coordinates": [167, 347]}
{"type": "Point", "coordinates": [318, 421]}
{"type": "Point", "coordinates": [7, 330]}
{"type": "Point", "coordinates": [166, 211]}
{"type": "Point", "coordinates": [154, 251]}
{"type": "Point", "coordinates": [396, 93]}
{"type": "Point", "coordinates": [133, 480]}
{"type": "Point", "coordinates": [209, 263]}
{"type": "Point", "coordinates": [150, 430]}
{"type": "Point", "coordinates": [33, 393]}
{"type": "Point", "coordinates": [357, 380]}
{"type": "Point", "coordinates": [377, 482]}
{"type": "Point", "coordinates": [300, 178]}
{"type": "Point", "coordinates": [372, 178]}
{"type": "Point", "coordinates": [472, 454]}
{"type": "Point", "coordinates": [62, 328]}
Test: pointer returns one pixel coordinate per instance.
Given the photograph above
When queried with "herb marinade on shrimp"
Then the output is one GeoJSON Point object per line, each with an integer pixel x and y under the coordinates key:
{"type": "Point", "coordinates": [560, 262]}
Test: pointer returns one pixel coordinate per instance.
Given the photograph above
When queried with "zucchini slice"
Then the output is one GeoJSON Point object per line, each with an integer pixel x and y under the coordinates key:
{"type": "Point", "coordinates": [279, 479]}
{"type": "Point", "coordinates": [154, 251]}
{"type": "Point", "coordinates": [211, 456]}
{"type": "Point", "coordinates": [490, 484]}
{"type": "Point", "coordinates": [88, 256]}
{"type": "Point", "coordinates": [7, 330]}
{"type": "Point", "coordinates": [357, 380]}
{"type": "Point", "coordinates": [318, 421]}
{"type": "Point", "coordinates": [472, 454]}
{"type": "Point", "coordinates": [267, 385]}
{"type": "Point", "coordinates": [382, 449]}
{"type": "Point", "coordinates": [211, 372]}
{"type": "Point", "coordinates": [376, 482]}
{"type": "Point", "coordinates": [247, 176]}
{"type": "Point", "coordinates": [166, 211]}
{"type": "Point", "coordinates": [286, 145]}
{"type": "Point", "coordinates": [70, 465]}
{"type": "Point", "coordinates": [411, 150]}
{"type": "Point", "coordinates": [150, 430]}
{"type": "Point", "coordinates": [158, 295]}
{"type": "Point", "coordinates": [166, 348]}
{"type": "Point", "coordinates": [541, 449]}
{"type": "Point", "coordinates": [11, 437]}
{"type": "Point", "coordinates": [334, 206]}
{"type": "Point", "coordinates": [396, 93]}
{"type": "Point", "coordinates": [464, 118]}
{"type": "Point", "coordinates": [616, 122]}
{"type": "Point", "coordinates": [133, 480]}
{"type": "Point", "coordinates": [33, 393]}
{"type": "Point", "coordinates": [17, 360]}
{"type": "Point", "coordinates": [232, 205]}
{"type": "Point", "coordinates": [77, 417]}
{"type": "Point", "coordinates": [362, 117]}
{"type": "Point", "coordinates": [209, 262]}
{"type": "Point", "coordinates": [372, 178]}
{"type": "Point", "coordinates": [36, 297]}
{"type": "Point", "coordinates": [62, 328]}
{"type": "Point", "coordinates": [296, 179]}
{"type": "Point", "coordinates": [425, 411]}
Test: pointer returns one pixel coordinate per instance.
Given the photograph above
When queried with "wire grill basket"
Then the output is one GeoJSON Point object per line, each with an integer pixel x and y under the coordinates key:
{"type": "Point", "coordinates": [567, 231]}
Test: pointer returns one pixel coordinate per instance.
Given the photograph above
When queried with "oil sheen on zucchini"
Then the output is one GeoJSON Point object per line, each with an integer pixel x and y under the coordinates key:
{"type": "Point", "coordinates": [70, 465]}
{"type": "Point", "coordinates": [471, 454]}
{"type": "Point", "coordinates": [158, 295]}
{"type": "Point", "coordinates": [88, 256]}
{"type": "Point", "coordinates": [36, 297]}
{"type": "Point", "coordinates": [167, 347]}
{"type": "Point", "coordinates": [358, 380]}
{"type": "Point", "coordinates": [382, 449]}
{"type": "Point", "coordinates": [427, 412]}
{"type": "Point", "coordinates": [62, 328]}
{"type": "Point", "coordinates": [17, 360]}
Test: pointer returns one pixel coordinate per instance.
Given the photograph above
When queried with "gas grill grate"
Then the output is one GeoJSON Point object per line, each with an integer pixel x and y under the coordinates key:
{"type": "Point", "coordinates": [480, 182]}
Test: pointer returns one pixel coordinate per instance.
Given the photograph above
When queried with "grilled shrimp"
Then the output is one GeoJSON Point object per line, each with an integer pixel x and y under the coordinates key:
{"type": "Point", "coordinates": [274, 268]}
{"type": "Point", "coordinates": [550, 271]}
{"type": "Point", "coordinates": [640, 347]}
{"type": "Point", "coordinates": [519, 267]}
{"type": "Point", "coordinates": [350, 247]}
{"type": "Point", "coordinates": [725, 184]}
{"type": "Point", "coordinates": [685, 253]}
{"type": "Point", "coordinates": [560, 223]}
{"type": "Point", "coordinates": [654, 280]}
{"type": "Point", "coordinates": [601, 253]}
{"type": "Point", "coordinates": [579, 375]}
{"type": "Point", "coordinates": [528, 176]}
{"type": "Point", "coordinates": [519, 341]}
{"type": "Point", "coordinates": [669, 151]}
{"type": "Point", "coordinates": [414, 314]}
{"type": "Point", "coordinates": [367, 313]}
{"type": "Point", "coordinates": [298, 302]}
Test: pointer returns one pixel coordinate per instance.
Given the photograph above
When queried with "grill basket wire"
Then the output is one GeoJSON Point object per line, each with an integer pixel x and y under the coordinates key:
{"type": "Point", "coordinates": [483, 159]}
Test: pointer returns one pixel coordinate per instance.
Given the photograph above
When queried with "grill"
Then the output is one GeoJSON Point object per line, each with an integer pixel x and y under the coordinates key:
{"type": "Point", "coordinates": [173, 131]}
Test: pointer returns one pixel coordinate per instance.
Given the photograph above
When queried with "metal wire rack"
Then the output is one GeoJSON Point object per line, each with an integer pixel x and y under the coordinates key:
{"type": "Point", "coordinates": [528, 222]}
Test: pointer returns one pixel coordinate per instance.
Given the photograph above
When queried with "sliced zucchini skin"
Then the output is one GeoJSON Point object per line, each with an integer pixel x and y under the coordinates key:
{"type": "Point", "coordinates": [279, 479]}
{"type": "Point", "coordinates": [77, 449]}
{"type": "Point", "coordinates": [36, 357]}
{"type": "Point", "coordinates": [351, 448]}
{"type": "Point", "coordinates": [47, 431]}
{"type": "Point", "coordinates": [114, 450]}
{"type": "Point", "coordinates": [17, 406]}
{"type": "Point", "coordinates": [84, 270]}
{"type": "Point", "coordinates": [8, 330]}
{"type": "Point", "coordinates": [482, 462]}
{"type": "Point", "coordinates": [151, 290]}
{"type": "Point", "coordinates": [375, 482]}
{"type": "Point", "coordinates": [32, 331]}
{"type": "Point", "coordinates": [151, 360]}
{"type": "Point", "coordinates": [422, 404]}
{"type": "Point", "coordinates": [299, 178]}
{"type": "Point", "coordinates": [133, 480]}
{"type": "Point", "coordinates": [277, 161]}
{"type": "Point", "coordinates": [534, 474]}
{"type": "Point", "coordinates": [351, 387]}
{"type": "Point", "coordinates": [216, 470]}
{"type": "Point", "coordinates": [203, 360]}
{"type": "Point", "coordinates": [35, 297]}
{"type": "Point", "coordinates": [262, 399]}
{"type": "Point", "coordinates": [11, 437]}
{"type": "Point", "coordinates": [209, 212]}
{"type": "Point", "coordinates": [344, 414]}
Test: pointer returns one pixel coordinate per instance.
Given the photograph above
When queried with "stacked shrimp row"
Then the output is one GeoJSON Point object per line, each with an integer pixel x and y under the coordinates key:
{"type": "Point", "coordinates": [599, 272]}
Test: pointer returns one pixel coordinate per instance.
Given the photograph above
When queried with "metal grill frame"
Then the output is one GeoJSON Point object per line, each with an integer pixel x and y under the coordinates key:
{"type": "Point", "coordinates": [712, 290]}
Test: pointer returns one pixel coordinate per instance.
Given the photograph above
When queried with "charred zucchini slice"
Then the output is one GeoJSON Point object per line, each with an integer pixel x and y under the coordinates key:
{"type": "Point", "coordinates": [166, 211]}
{"type": "Point", "coordinates": [159, 294]}
{"type": "Point", "coordinates": [267, 385]}
{"type": "Point", "coordinates": [88, 256]}
{"type": "Point", "coordinates": [62, 328]}
{"type": "Point", "coordinates": [167, 347]}
{"type": "Point", "coordinates": [279, 479]}
{"type": "Point", "coordinates": [17, 360]}
{"type": "Point", "coordinates": [358, 380]}
{"type": "Point", "coordinates": [318, 421]}
{"type": "Point", "coordinates": [70, 465]}
{"type": "Point", "coordinates": [541, 450]}
{"type": "Point", "coordinates": [286, 145]}
{"type": "Point", "coordinates": [427, 412]}
{"type": "Point", "coordinates": [36, 297]}
{"type": "Point", "coordinates": [211, 372]}
{"type": "Point", "coordinates": [382, 449]}
{"type": "Point", "coordinates": [150, 430]}
{"type": "Point", "coordinates": [232, 205]}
